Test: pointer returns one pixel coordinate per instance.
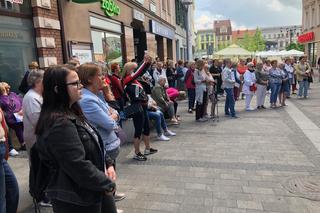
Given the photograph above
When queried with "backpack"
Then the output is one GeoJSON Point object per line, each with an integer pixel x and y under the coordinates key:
{"type": "Point", "coordinates": [39, 177]}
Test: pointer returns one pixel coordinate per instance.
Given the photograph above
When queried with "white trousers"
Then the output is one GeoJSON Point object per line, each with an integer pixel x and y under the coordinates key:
{"type": "Point", "coordinates": [261, 94]}
{"type": "Point", "coordinates": [248, 100]}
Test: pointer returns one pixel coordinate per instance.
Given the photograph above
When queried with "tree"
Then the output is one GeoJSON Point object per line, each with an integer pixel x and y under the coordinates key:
{"type": "Point", "coordinates": [295, 46]}
{"type": "Point", "coordinates": [253, 43]}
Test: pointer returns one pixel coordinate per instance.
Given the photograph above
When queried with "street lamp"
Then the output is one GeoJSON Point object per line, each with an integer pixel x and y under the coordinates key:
{"type": "Point", "coordinates": [187, 3]}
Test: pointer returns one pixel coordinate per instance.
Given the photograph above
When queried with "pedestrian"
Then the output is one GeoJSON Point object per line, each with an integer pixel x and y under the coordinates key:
{"type": "Point", "coordinates": [139, 99]}
{"type": "Point", "coordinates": [216, 71]}
{"type": "Point", "coordinates": [171, 74]}
{"type": "Point", "coordinates": [290, 70]}
{"type": "Point", "coordinates": [71, 148]}
{"type": "Point", "coordinates": [211, 92]}
{"type": "Point", "coordinates": [262, 81]}
{"type": "Point", "coordinates": [31, 107]}
{"type": "Point", "coordinates": [155, 114]}
{"type": "Point", "coordinates": [275, 80]}
{"type": "Point", "coordinates": [99, 114]}
{"type": "Point", "coordinates": [11, 105]}
{"type": "Point", "coordinates": [160, 96]}
{"type": "Point", "coordinates": [303, 71]}
{"type": "Point", "coordinates": [201, 90]}
{"type": "Point", "coordinates": [180, 75]}
{"type": "Point", "coordinates": [249, 85]}
{"type": "Point", "coordinates": [228, 85]}
{"type": "Point", "coordinates": [116, 85]}
{"type": "Point", "coordinates": [191, 87]}
{"type": "Point", "coordinates": [24, 87]}
{"type": "Point", "coordinates": [285, 86]}
{"type": "Point", "coordinates": [236, 89]}
{"type": "Point", "coordinates": [9, 188]}
{"type": "Point", "coordinates": [242, 68]}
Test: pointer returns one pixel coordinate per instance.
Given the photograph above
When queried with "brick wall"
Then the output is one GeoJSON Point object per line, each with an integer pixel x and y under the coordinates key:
{"type": "Point", "coordinates": [47, 27]}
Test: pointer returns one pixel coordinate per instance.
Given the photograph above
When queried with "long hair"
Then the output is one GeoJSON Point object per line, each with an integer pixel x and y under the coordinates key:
{"type": "Point", "coordinates": [56, 100]}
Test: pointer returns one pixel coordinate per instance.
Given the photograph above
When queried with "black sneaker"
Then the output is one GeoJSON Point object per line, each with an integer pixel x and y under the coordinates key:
{"type": "Point", "coordinates": [119, 196]}
{"type": "Point", "coordinates": [263, 107]}
{"type": "Point", "coordinates": [139, 157]}
{"type": "Point", "coordinates": [23, 148]}
{"type": "Point", "coordinates": [150, 151]}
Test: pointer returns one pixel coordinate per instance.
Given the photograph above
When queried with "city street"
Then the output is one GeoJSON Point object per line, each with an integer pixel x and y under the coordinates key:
{"type": "Point", "coordinates": [235, 165]}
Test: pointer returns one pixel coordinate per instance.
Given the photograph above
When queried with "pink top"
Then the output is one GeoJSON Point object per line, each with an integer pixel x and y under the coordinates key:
{"type": "Point", "coordinates": [173, 93]}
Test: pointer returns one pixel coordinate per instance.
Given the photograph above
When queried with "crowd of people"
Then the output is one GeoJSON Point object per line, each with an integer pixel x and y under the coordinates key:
{"type": "Point", "coordinates": [72, 115]}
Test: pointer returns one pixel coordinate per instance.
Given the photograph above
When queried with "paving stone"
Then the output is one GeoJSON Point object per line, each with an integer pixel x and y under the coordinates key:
{"type": "Point", "coordinates": [249, 205]}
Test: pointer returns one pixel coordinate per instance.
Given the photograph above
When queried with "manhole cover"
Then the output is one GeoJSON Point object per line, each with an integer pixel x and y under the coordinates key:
{"type": "Point", "coordinates": [305, 187]}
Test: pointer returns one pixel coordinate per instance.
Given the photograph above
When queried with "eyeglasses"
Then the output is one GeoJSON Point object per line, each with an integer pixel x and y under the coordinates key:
{"type": "Point", "coordinates": [76, 83]}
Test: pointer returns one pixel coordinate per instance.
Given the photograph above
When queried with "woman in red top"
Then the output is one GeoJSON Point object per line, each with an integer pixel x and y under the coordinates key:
{"type": "Point", "coordinates": [138, 97]}
{"type": "Point", "coordinates": [116, 85]}
{"type": "Point", "coordinates": [190, 85]}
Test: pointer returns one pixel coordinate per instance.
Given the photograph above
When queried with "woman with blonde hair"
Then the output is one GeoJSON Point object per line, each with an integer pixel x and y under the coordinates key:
{"type": "Point", "coordinates": [170, 73]}
{"type": "Point", "coordinates": [139, 99]}
{"type": "Point", "coordinates": [201, 90]}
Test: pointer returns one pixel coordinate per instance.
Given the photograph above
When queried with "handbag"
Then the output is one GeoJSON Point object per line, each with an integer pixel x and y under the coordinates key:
{"type": "Point", "coordinates": [253, 88]}
{"type": "Point", "coordinates": [132, 109]}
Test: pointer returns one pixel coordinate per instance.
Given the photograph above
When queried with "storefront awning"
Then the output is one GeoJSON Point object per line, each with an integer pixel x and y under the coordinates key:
{"type": "Point", "coordinates": [85, 1]}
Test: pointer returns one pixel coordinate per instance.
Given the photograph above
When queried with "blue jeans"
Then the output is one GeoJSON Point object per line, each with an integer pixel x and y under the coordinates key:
{"type": "Point", "coordinates": [275, 90]}
{"type": "Point", "coordinates": [191, 97]}
{"type": "Point", "coordinates": [160, 121]}
{"type": "Point", "coordinates": [230, 102]}
{"type": "Point", "coordinates": [9, 190]}
{"type": "Point", "coordinates": [303, 88]}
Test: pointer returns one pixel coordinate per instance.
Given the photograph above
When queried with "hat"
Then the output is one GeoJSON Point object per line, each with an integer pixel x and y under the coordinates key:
{"type": "Point", "coordinates": [33, 65]}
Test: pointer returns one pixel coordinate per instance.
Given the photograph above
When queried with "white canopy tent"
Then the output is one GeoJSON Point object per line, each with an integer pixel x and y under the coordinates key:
{"type": "Point", "coordinates": [233, 51]}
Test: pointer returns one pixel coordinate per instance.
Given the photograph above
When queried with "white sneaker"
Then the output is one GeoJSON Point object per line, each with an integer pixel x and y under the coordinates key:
{"type": "Point", "coordinates": [120, 211]}
{"type": "Point", "coordinates": [163, 138]}
{"type": "Point", "coordinates": [13, 153]}
{"type": "Point", "coordinates": [169, 133]}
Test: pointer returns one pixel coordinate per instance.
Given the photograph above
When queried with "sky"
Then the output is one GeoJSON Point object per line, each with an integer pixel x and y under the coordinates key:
{"type": "Point", "coordinates": [248, 14]}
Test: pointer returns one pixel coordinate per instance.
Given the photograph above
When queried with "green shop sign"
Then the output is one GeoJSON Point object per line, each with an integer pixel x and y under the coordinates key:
{"type": "Point", "coordinates": [108, 6]}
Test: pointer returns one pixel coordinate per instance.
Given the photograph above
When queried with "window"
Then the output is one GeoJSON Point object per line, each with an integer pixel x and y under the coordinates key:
{"type": "Point", "coordinates": [202, 46]}
{"type": "Point", "coordinates": [169, 8]}
{"type": "Point", "coordinates": [24, 8]}
{"type": "Point", "coordinates": [202, 37]}
{"type": "Point", "coordinates": [269, 36]}
{"type": "Point", "coordinates": [223, 30]}
{"type": "Point", "coordinates": [306, 21]}
{"type": "Point", "coordinates": [211, 36]}
{"type": "Point", "coordinates": [106, 47]}
{"type": "Point", "coordinates": [228, 38]}
{"type": "Point", "coordinates": [207, 37]}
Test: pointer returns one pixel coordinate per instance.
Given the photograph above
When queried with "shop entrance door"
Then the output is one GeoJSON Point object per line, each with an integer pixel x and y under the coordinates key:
{"type": "Point", "coordinates": [140, 44]}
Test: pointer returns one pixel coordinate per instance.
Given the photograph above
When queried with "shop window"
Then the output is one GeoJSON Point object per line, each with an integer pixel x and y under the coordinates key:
{"type": "Point", "coordinates": [106, 47]}
{"type": "Point", "coordinates": [17, 49]}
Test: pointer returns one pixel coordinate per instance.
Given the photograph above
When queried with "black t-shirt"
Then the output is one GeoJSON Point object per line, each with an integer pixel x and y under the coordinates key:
{"type": "Point", "coordinates": [215, 70]}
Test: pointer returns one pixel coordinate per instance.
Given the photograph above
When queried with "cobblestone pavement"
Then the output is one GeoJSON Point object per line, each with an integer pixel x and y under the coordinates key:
{"type": "Point", "coordinates": [228, 166]}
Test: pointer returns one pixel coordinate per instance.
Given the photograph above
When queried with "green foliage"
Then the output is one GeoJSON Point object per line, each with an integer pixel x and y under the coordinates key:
{"type": "Point", "coordinates": [253, 43]}
{"type": "Point", "coordinates": [295, 46]}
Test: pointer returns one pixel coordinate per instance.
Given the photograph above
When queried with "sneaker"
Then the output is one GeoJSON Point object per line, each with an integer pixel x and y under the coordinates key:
{"type": "Point", "coordinates": [259, 107]}
{"type": "Point", "coordinates": [234, 117]}
{"type": "Point", "coordinates": [263, 107]}
{"type": "Point", "coordinates": [150, 151]}
{"type": "Point", "coordinates": [139, 157]}
{"type": "Point", "coordinates": [45, 204]}
{"type": "Point", "coordinates": [13, 153]}
{"type": "Point", "coordinates": [120, 211]}
{"type": "Point", "coordinates": [226, 115]}
{"type": "Point", "coordinates": [163, 138]}
{"type": "Point", "coordinates": [249, 109]}
{"type": "Point", "coordinates": [190, 111]}
{"type": "Point", "coordinates": [119, 196]}
{"type": "Point", "coordinates": [202, 120]}
{"type": "Point", "coordinates": [169, 133]}
{"type": "Point", "coordinates": [23, 148]}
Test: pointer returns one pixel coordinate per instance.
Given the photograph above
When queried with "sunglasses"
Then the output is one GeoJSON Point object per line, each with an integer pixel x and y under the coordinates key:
{"type": "Point", "coordinates": [76, 83]}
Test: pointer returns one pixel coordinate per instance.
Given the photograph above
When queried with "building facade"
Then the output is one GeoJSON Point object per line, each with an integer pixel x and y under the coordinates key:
{"type": "Point", "coordinates": [29, 31]}
{"type": "Point", "coordinates": [205, 43]}
{"type": "Point", "coordinates": [238, 35]}
{"type": "Point", "coordinates": [223, 33]}
{"type": "Point", "coordinates": [121, 32]}
{"type": "Point", "coordinates": [311, 29]}
{"type": "Point", "coordinates": [181, 12]}
{"type": "Point", "coordinates": [278, 38]}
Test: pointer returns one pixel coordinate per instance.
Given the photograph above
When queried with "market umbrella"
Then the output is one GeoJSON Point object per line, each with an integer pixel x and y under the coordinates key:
{"type": "Point", "coordinates": [233, 50]}
{"type": "Point", "coordinates": [295, 53]}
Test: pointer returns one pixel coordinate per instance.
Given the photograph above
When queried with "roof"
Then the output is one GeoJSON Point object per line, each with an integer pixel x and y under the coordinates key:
{"type": "Point", "coordinates": [220, 23]}
{"type": "Point", "coordinates": [241, 33]}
